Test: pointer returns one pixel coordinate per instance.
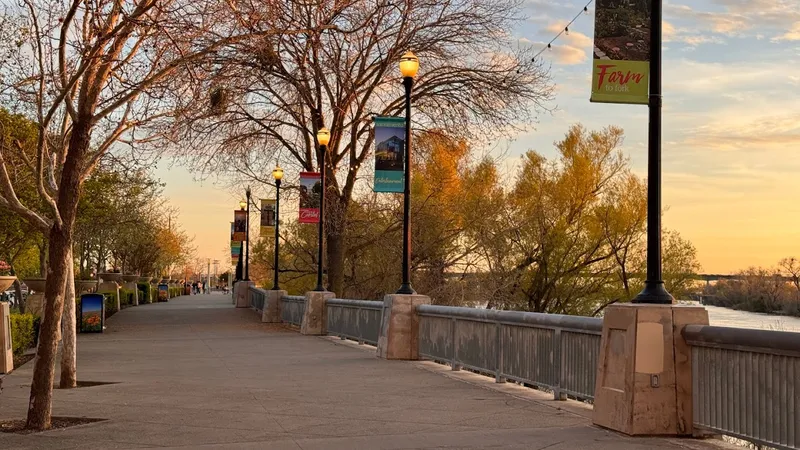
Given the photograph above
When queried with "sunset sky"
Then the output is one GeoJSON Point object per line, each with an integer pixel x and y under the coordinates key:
{"type": "Point", "coordinates": [731, 129]}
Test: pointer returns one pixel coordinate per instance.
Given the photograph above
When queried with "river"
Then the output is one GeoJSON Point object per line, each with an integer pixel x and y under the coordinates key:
{"type": "Point", "coordinates": [726, 317]}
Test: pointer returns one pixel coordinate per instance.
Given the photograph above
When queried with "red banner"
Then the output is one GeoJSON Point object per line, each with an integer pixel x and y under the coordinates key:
{"type": "Point", "coordinates": [310, 193]}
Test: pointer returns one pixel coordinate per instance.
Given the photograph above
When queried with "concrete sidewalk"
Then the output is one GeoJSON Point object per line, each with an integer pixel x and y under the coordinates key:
{"type": "Point", "coordinates": [198, 373]}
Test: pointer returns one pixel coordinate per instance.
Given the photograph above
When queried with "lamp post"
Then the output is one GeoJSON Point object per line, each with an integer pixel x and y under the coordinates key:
{"type": "Point", "coordinates": [323, 137]}
{"type": "Point", "coordinates": [240, 261]}
{"type": "Point", "coordinates": [277, 174]}
{"type": "Point", "coordinates": [654, 290]}
{"type": "Point", "coordinates": [247, 238]}
{"type": "Point", "coordinates": [409, 64]}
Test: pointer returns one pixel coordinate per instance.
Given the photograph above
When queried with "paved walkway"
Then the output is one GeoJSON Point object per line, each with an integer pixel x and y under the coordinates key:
{"type": "Point", "coordinates": [198, 373]}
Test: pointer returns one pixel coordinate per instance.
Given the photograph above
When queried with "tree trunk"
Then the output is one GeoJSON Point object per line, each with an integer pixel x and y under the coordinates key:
{"type": "Point", "coordinates": [18, 294]}
{"type": "Point", "coordinates": [43, 258]}
{"type": "Point", "coordinates": [39, 408]}
{"type": "Point", "coordinates": [69, 376]}
{"type": "Point", "coordinates": [60, 251]}
{"type": "Point", "coordinates": [336, 264]}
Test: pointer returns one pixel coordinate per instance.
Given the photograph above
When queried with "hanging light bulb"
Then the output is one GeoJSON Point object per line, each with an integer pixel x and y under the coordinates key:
{"type": "Point", "coordinates": [549, 46]}
{"type": "Point", "coordinates": [566, 30]}
{"type": "Point", "coordinates": [586, 10]}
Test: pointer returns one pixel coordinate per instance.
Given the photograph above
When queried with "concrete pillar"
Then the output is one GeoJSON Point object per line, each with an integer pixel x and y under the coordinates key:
{"type": "Point", "coordinates": [400, 326]}
{"type": "Point", "coordinates": [6, 349]}
{"type": "Point", "coordinates": [644, 376]}
{"type": "Point", "coordinates": [240, 293]}
{"type": "Point", "coordinates": [272, 307]}
{"type": "Point", "coordinates": [315, 316]}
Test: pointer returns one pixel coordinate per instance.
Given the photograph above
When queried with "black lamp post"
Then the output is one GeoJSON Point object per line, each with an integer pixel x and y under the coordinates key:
{"type": "Point", "coordinates": [323, 137]}
{"type": "Point", "coordinates": [277, 174]}
{"type": "Point", "coordinates": [247, 238]}
{"type": "Point", "coordinates": [654, 290]}
{"type": "Point", "coordinates": [409, 64]}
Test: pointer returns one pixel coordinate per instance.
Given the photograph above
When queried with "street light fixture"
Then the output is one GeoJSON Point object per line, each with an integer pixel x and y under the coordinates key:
{"type": "Point", "coordinates": [247, 238]}
{"type": "Point", "coordinates": [409, 64]}
{"type": "Point", "coordinates": [277, 174]}
{"type": "Point", "coordinates": [242, 204]}
{"type": "Point", "coordinates": [323, 137]}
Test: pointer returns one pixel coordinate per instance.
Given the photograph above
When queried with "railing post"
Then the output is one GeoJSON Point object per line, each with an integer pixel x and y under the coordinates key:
{"type": "Point", "coordinates": [557, 366]}
{"type": "Point", "coordinates": [498, 373]}
{"type": "Point", "coordinates": [360, 320]}
{"type": "Point", "coordinates": [453, 364]}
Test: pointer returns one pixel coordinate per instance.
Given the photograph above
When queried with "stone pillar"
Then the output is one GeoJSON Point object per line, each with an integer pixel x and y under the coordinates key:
{"type": "Point", "coordinates": [6, 349]}
{"type": "Point", "coordinates": [240, 293]}
{"type": "Point", "coordinates": [644, 375]}
{"type": "Point", "coordinates": [400, 326]}
{"type": "Point", "coordinates": [315, 316]}
{"type": "Point", "coordinates": [272, 307]}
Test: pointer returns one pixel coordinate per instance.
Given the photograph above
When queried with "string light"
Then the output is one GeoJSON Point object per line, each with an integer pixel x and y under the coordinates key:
{"type": "Point", "coordinates": [564, 31]}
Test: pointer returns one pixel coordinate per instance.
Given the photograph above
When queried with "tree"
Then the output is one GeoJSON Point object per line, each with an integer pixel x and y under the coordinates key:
{"type": "Point", "coordinates": [336, 66]}
{"type": "Point", "coordinates": [791, 268]}
{"type": "Point", "coordinates": [89, 74]}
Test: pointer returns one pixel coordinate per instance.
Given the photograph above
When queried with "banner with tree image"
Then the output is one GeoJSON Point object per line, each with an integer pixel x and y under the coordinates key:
{"type": "Point", "coordinates": [310, 193]}
{"type": "Point", "coordinates": [390, 145]}
{"type": "Point", "coordinates": [621, 67]}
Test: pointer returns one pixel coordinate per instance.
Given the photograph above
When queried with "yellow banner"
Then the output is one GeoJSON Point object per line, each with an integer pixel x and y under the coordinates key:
{"type": "Point", "coordinates": [621, 65]}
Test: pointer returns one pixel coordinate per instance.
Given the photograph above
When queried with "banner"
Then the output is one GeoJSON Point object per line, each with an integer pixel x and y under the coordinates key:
{"type": "Point", "coordinates": [390, 145]}
{"type": "Point", "coordinates": [92, 313]}
{"type": "Point", "coordinates": [236, 249]}
{"type": "Point", "coordinates": [310, 192]}
{"type": "Point", "coordinates": [621, 67]}
{"type": "Point", "coordinates": [231, 231]}
{"type": "Point", "coordinates": [239, 225]}
{"type": "Point", "coordinates": [267, 217]}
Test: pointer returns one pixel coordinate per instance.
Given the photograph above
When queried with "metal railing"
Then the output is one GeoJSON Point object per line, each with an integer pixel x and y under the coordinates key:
{"type": "Point", "coordinates": [257, 298]}
{"type": "Point", "coordinates": [292, 309]}
{"type": "Point", "coordinates": [746, 383]}
{"type": "Point", "coordinates": [359, 320]}
{"type": "Point", "coordinates": [550, 351]}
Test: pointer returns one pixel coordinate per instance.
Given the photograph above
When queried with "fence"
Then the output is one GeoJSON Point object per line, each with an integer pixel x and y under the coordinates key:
{"type": "Point", "coordinates": [292, 309]}
{"type": "Point", "coordinates": [745, 383]}
{"type": "Point", "coordinates": [544, 350]}
{"type": "Point", "coordinates": [359, 320]}
{"type": "Point", "coordinates": [257, 298]}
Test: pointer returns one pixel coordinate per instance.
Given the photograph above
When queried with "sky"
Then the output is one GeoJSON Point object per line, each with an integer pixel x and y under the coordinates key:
{"type": "Point", "coordinates": [731, 127]}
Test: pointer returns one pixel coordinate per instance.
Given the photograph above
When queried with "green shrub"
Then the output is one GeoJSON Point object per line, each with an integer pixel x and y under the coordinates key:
{"type": "Point", "coordinates": [126, 297]}
{"type": "Point", "coordinates": [23, 332]}
{"type": "Point", "coordinates": [111, 303]}
{"type": "Point", "coordinates": [144, 293]}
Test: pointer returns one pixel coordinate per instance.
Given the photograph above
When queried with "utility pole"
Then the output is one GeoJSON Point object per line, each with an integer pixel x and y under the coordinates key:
{"type": "Point", "coordinates": [216, 276]}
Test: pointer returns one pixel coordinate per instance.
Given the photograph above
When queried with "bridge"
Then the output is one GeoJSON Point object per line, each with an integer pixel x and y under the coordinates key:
{"type": "Point", "coordinates": [198, 372]}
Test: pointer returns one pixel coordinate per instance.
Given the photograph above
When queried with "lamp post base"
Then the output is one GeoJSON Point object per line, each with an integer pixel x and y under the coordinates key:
{"type": "Point", "coordinates": [406, 289]}
{"type": "Point", "coordinates": [654, 293]}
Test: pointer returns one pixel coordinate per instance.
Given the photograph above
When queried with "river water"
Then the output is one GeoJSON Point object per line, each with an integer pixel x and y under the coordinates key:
{"type": "Point", "coordinates": [725, 317]}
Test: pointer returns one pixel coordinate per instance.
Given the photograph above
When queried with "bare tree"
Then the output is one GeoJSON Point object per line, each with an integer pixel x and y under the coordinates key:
{"type": "Point", "coordinates": [90, 74]}
{"type": "Point", "coordinates": [791, 268]}
{"type": "Point", "coordinates": [336, 66]}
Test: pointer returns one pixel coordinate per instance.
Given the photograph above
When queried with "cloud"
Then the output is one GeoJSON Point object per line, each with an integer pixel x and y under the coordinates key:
{"type": "Point", "coordinates": [562, 52]}
{"type": "Point", "coordinates": [740, 17]}
{"type": "Point", "coordinates": [573, 38]}
{"type": "Point", "coordinates": [791, 35]}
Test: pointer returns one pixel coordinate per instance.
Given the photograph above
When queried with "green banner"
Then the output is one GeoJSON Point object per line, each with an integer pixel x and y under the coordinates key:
{"type": "Point", "coordinates": [621, 67]}
{"type": "Point", "coordinates": [390, 143]}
